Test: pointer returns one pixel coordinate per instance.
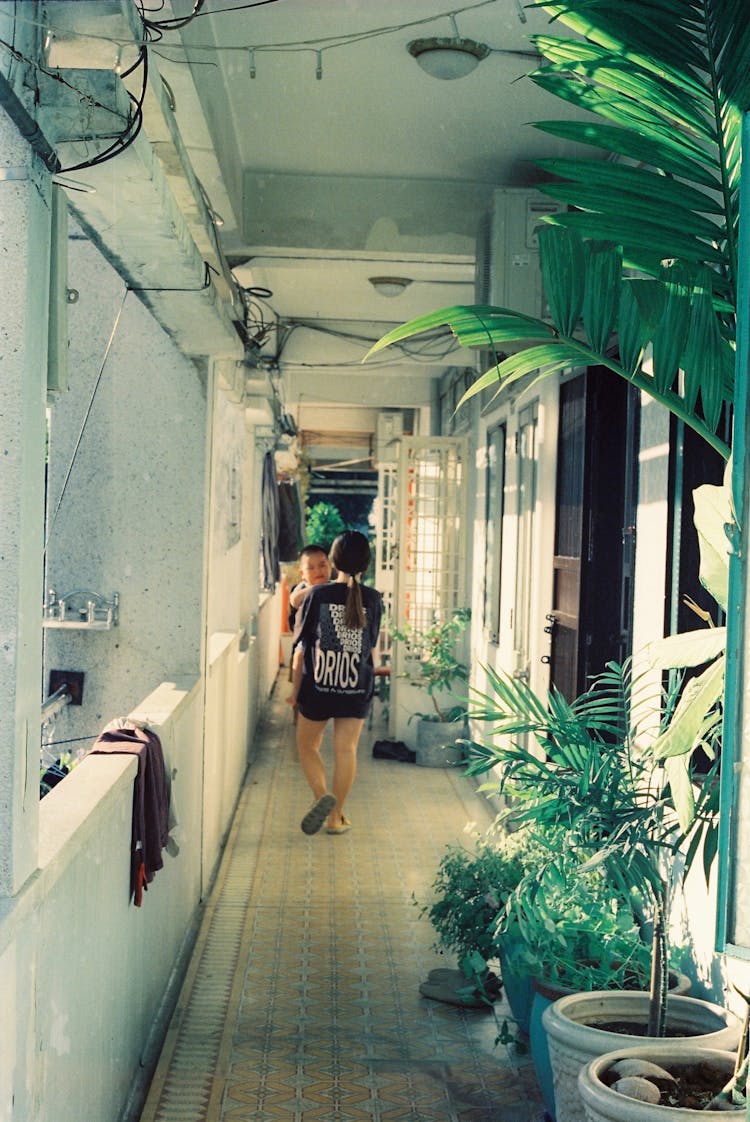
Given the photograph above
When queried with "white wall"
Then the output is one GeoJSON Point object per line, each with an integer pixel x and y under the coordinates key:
{"type": "Point", "coordinates": [228, 512]}
{"type": "Point", "coordinates": [139, 516]}
{"type": "Point", "coordinates": [131, 518]}
{"type": "Point", "coordinates": [83, 970]}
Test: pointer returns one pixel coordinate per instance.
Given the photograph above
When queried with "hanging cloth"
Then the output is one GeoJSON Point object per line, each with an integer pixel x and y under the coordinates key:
{"type": "Point", "coordinates": [150, 824]}
{"type": "Point", "coordinates": [270, 522]}
{"type": "Point", "coordinates": [291, 538]}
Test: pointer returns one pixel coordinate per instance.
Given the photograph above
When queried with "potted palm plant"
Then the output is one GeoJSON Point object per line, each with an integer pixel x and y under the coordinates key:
{"type": "Point", "coordinates": [433, 663]}
{"type": "Point", "coordinates": [586, 768]}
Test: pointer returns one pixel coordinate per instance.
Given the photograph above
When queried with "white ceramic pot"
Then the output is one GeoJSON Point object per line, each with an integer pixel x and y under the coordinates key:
{"type": "Point", "coordinates": [574, 1038]}
{"type": "Point", "coordinates": [546, 993]}
{"type": "Point", "coordinates": [602, 1104]}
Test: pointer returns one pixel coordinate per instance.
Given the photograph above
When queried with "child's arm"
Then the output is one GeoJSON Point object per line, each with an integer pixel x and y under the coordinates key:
{"type": "Point", "coordinates": [298, 594]}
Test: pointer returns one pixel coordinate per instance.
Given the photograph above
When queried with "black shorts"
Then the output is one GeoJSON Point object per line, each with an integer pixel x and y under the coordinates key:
{"type": "Point", "coordinates": [358, 712]}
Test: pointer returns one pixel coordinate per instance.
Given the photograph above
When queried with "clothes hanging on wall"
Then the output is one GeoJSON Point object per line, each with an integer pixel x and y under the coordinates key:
{"type": "Point", "coordinates": [270, 522]}
{"type": "Point", "coordinates": [291, 532]}
{"type": "Point", "coordinates": [150, 825]}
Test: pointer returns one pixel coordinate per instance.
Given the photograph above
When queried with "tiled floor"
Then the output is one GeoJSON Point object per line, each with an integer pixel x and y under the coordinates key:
{"type": "Point", "coordinates": [302, 999]}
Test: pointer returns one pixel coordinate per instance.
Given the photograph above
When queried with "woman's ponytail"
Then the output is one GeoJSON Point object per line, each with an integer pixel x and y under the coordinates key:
{"type": "Point", "coordinates": [354, 612]}
{"type": "Point", "coordinates": [350, 554]}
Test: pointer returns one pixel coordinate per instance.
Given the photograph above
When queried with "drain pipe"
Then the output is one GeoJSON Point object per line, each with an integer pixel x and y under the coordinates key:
{"type": "Point", "coordinates": [27, 126]}
{"type": "Point", "coordinates": [56, 702]}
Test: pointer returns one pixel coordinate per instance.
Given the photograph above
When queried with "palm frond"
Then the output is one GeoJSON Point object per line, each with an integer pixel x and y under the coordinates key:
{"type": "Point", "coordinates": [665, 83]}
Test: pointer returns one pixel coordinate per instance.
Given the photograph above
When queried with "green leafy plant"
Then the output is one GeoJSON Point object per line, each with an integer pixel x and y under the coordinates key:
{"type": "Point", "coordinates": [324, 523]}
{"type": "Point", "coordinates": [587, 768]}
{"type": "Point", "coordinates": [434, 650]}
{"type": "Point", "coordinates": [574, 930]}
{"type": "Point", "coordinates": [469, 889]}
{"type": "Point", "coordinates": [646, 255]}
{"type": "Point", "coordinates": [697, 719]}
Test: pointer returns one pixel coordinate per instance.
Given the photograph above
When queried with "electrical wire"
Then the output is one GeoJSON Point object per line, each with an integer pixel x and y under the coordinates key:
{"type": "Point", "coordinates": [86, 415]}
{"type": "Point", "coordinates": [175, 23]}
{"type": "Point", "coordinates": [328, 41]}
{"type": "Point", "coordinates": [441, 340]}
{"type": "Point", "coordinates": [237, 8]}
{"type": "Point", "coordinates": [130, 134]}
{"type": "Point", "coordinates": [85, 97]}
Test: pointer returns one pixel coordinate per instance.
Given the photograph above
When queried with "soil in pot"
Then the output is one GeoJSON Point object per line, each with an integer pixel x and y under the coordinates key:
{"type": "Point", "coordinates": [575, 1034]}
{"type": "Point", "coordinates": [630, 1028]}
{"type": "Point", "coordinates": [696, 1084]}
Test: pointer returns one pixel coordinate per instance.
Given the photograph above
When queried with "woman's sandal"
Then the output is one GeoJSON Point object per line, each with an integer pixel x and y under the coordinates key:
{"type": "Point", "coordinates": [317, 814]}
{"type": "Point", "coordinates": [343, 826]}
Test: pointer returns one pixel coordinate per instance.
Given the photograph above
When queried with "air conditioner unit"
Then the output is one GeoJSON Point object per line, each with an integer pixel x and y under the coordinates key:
{"type": "Point", "coordinates": [507, 273]}
{"type": "Point", "coordinates": [388, 433]}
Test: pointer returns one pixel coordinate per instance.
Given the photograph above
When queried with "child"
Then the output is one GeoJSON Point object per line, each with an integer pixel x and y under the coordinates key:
{"type": "Point", "coordinates": [314, 569]}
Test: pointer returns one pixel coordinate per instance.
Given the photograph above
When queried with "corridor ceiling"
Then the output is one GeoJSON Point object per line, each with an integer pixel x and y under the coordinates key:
{"type": "Point", "coordinates": [330, 157]}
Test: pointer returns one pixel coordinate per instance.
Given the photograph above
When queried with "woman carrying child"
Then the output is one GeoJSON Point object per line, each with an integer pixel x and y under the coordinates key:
{"type": "Point", "coordinates": [337, 631]}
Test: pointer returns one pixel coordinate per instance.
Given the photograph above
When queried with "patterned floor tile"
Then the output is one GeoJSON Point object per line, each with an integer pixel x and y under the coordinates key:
{"type": "Point", "coordinates": [318, 949]}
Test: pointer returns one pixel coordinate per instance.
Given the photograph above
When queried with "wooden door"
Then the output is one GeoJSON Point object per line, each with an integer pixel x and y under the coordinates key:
{"type": "Point", "coordinates": [590, 618]}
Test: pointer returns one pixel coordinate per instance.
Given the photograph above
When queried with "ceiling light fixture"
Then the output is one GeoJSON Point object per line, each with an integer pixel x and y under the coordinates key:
{"type": "Point", "coordinates": [448, 58]}
{"type": "Point", "coordinates": [389, 286]}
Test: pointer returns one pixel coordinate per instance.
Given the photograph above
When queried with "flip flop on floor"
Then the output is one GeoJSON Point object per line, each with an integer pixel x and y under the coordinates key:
{"type": "Point", "coordinates": [317, 814]}
{"type": "Point", "coordinates": [343, 826]}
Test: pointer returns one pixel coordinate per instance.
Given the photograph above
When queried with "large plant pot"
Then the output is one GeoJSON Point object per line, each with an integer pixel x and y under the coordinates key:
{"type": "Point", "coordinates": [574, 1038]}
{"type": "Point", "coordinates": [602, 1104]}
{"type": "Point", "coordinates": [436, 743]}
{"type": "Point", "coordinates": [519, 988]}
{"type": "Point", "coordinates": [545, 994]}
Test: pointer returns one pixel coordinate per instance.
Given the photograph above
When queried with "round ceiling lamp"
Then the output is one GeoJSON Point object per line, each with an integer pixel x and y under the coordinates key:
{"type": "Point", "coordinates": [449, 57]}
{"type": "Point", "coordinates": [389, 286]}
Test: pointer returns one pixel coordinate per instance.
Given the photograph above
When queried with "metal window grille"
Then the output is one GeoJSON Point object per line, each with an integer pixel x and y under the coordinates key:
{"type": "Point", "coordinates": [386, 547]}
{"type": "Point", "coordinates": [432, 556]}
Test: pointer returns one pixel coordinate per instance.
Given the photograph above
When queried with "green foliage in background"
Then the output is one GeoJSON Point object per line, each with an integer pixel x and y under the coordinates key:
{"type": "Point", "coordinates": [324, 523]}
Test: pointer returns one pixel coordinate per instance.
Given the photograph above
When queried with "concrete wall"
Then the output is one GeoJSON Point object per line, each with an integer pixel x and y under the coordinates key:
{"type": "Point", "coordinates": [145, 451]}
{"type": "Point", "coordinates": [84, 973]}
{"type": "Point", "coordinates": [127, 488]}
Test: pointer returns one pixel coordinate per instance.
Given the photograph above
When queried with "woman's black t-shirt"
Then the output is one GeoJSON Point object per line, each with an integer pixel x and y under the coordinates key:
{"type": "Point", "coordinates": [338, 678]}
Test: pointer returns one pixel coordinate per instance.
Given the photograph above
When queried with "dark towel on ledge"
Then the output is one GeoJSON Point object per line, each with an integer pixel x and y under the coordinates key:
{"type": "Point", "coordinates": [150, 802]}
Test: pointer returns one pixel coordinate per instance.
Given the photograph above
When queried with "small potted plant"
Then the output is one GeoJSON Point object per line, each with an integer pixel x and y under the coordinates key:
{"type": "Point", "coordinates": [433, 663]}
{"type": "Point", "coordinates": [468, 891]}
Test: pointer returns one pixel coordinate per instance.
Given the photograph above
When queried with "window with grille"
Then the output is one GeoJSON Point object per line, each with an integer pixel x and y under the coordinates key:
{"type": "Point", "coordinates": [432, 574]}
{"type": "Point", "coordinates": [495, 491]}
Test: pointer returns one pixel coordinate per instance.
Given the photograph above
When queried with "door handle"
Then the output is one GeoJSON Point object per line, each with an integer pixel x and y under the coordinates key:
{"type": "Point", "coordinates": [545, 658]}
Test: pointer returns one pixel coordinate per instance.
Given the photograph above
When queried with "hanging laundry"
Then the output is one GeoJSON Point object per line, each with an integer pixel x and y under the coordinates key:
{"type": "Point", "coordinates": [291, 529]}
{"type": "Point", "coordinates": [270, 523]}
{"type": "Point", "coordinates": [150, 826]}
